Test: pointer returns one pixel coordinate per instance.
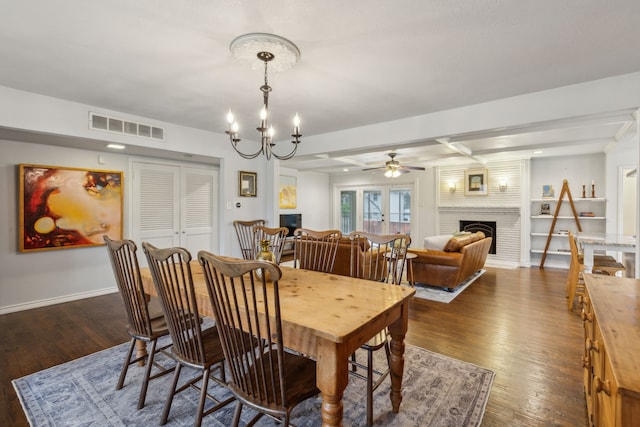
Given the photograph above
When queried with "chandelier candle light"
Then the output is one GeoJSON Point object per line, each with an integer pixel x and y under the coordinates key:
{"type": "Point", "coordinates": [282, 55]}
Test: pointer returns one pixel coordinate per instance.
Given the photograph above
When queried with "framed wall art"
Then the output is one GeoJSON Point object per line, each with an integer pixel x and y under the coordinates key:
{"type": "Point", "coordinates": [248, 184]}
{"type": "Point", "coordinates": [63, 208]}
{"type": "Point", "coordinates": [475, 182]}
{"type": "Point", "coordinates": [288, 192]}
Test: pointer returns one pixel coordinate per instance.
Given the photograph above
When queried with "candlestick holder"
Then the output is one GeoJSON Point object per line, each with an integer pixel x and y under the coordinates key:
{"type": "Point", "coordinates": [584, 191]}
{"type": "Point", "coordinates": [593, 191]}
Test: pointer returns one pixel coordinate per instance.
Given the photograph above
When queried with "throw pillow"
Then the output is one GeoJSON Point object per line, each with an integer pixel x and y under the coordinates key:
{"type": "Point", "coordinates": [436, 243]}
{"type": "Point", "coordinates": [458, 242]}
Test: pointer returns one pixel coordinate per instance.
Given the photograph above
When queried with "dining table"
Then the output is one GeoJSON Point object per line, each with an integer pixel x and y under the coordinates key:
{"type": "Point", "coordinates": [592, 242]}
{"type": "Point", "coordinates": [328, 317]}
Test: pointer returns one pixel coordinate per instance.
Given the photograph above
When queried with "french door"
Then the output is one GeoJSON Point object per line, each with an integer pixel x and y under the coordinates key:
{"type": "Point", "coordinates": [375, 209]}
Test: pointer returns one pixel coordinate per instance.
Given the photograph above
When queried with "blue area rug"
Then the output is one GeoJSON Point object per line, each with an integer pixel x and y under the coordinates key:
{"type": "Point", "coordinates": [437, 391]}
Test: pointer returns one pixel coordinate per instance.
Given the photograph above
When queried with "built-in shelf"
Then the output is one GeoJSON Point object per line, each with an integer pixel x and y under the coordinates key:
{"type": "Point", "coordinates": [566, 217]}
{"type": "Point", "coordinates": [541, 251]}
{"type": "Point", "coordinates": [559, 243]}
{"type": "Point", "coordinates": [575, 199]}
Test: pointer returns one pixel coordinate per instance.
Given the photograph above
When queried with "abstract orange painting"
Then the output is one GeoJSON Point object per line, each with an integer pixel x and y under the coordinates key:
{"type": "Point", "coordinates": [64, 207]}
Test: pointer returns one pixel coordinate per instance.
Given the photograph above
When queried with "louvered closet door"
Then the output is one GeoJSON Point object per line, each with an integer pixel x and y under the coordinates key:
{"type": "Point", "coordinates": [175, 206]}
{"type": "Point", "coordinates": [199, 190]}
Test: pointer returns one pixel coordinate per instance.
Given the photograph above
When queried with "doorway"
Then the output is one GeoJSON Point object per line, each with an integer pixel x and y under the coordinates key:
{"type": "Point", "coordinates": [175, 205]}
{"type": "Point", "coordinates": [628, 210]}
{"type": "Point", "coordinates": [375, 209]}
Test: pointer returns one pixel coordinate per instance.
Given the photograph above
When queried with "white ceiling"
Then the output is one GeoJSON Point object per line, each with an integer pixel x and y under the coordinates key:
{"type": "Point", "coordinates": [363, 62]}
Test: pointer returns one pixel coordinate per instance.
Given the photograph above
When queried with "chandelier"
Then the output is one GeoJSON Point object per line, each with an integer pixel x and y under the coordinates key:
{"type": "Point", "coordinates": [281, 54]}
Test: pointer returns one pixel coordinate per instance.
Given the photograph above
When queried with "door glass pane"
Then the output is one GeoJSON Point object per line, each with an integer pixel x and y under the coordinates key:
{"type": "Point", "coordinates": [400, 211]}
{"type": "Point", "coordinates": [372, 213]}
{"type": "Point", "coordinates": [347, 211]}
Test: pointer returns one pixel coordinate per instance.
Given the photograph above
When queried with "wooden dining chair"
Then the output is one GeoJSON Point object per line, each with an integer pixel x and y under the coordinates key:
{"type": "Point", "coordinates": [379, 258]}
{"type": "Point", "coordinates": [276, 237]}
{"type": "Point", "coordinates": [315, 250]}
{"type": "Point", "coordinates": [245, 230]}
{"type": "Point", "coordinates": [193, 347]}
{"type": "Point", "coordinates": [272, 381]}
{"type": "Point", "coordinates": [146, 322]}
{"type": "Point", "coordinates": [602, 264]}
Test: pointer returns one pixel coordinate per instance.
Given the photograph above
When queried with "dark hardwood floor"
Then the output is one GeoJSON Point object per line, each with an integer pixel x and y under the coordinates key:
{"type": "Point", "coordinates": [514, 322]}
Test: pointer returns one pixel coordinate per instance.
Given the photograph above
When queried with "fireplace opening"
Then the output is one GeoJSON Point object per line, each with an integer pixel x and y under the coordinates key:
{"type": "Point", "coordinates": [487, 227]}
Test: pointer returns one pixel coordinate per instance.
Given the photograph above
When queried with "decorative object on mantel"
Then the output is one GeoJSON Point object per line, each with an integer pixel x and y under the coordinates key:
{"type": "Point", "coordinates": [248, 184]}
{"type": "Point", "coordinates": [547, 191]}
{"type": "Point", "coordinates": [593, 189]}
{"type": "Point", "coordinates": [282, 55]}
{"type": "Point", "coordinates": [475, 182]}
{"type": "Point", "coordinates": [565, 190]}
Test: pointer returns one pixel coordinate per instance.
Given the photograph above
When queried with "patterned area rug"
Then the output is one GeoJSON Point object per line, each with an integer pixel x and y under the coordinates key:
{"type": "Point", "coordinates": [437, 391]}
{"type": "Point", "coordinates": [436, 293]}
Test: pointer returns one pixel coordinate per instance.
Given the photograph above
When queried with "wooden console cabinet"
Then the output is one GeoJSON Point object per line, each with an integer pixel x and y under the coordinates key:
{"type": "Point", "coordinates": [611, 361]}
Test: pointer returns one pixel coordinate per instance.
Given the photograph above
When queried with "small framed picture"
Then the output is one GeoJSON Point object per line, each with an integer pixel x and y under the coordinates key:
{"type": "Point", "coordinates": [248, 184]}
{"type": "Point", "coordinates": [475, 182]}
{"type": "Point", "coordinates": [288, 192]}
{"type": "Point", "coordinates": [545, 209]}
{"type": "Point", "coordinates": [547, 191]}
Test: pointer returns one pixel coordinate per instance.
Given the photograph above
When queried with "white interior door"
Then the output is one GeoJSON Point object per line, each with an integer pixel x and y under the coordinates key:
{"type": "Point", "coordinates": [156, 204]}
{"type": "Point", "coordinates": [175, 206]}
{"type": "Point", "coordinates": [199, 195]}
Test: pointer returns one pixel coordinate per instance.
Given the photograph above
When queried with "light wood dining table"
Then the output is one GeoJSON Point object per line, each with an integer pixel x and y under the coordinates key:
{"type": "Point", "coordinates": [328, 317]}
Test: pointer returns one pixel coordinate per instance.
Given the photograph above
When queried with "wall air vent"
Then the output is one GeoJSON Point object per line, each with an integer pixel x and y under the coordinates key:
{"type": "Point", "coordinates": [116, 125]}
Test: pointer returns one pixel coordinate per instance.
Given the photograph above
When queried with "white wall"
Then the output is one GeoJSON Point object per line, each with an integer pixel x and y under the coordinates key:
{"type": "Point", "coordinates": [39, 278]}
{"type": "Point", "coordinates": [313, 195]}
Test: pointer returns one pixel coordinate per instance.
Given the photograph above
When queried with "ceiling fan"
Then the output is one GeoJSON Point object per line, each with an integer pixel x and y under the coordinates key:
{"type": "Point", "coordinates": [393, 168]}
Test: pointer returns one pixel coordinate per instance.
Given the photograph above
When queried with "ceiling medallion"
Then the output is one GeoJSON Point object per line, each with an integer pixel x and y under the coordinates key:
{"type": "Point", "coordinates": [279, 54]}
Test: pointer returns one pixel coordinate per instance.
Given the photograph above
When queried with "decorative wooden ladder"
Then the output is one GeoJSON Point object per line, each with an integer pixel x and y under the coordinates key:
{"type": "Point", "coordinates": [565, 190]}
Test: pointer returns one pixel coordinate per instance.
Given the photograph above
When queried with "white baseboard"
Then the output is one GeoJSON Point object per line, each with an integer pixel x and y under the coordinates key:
{"type": "Point", "coordinates": [56, 300]}
{"type": "Point", "coordinates": [510, 265]}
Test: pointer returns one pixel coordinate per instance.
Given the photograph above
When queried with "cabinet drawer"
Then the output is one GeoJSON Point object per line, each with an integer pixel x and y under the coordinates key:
{"type": "Point", "coordinates": [605, 396]}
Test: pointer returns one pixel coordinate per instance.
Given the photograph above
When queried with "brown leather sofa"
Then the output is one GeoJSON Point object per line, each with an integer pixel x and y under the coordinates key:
{"type": "Point", "coordinates": [342, 264]}
{"type": "Point", "coordinates": [450, 267]}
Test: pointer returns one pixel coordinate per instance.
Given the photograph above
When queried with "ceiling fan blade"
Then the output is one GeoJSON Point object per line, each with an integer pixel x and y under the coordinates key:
{"type": "Point", "coordinates": [413, 168]}
{"type": "Point", "coordinates": [375, 169]}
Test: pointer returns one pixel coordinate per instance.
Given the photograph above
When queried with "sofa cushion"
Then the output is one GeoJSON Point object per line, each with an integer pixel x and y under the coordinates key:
{"type": "Point", "coordinates": [458, 242]}
{"type": "Point", "coordinates": [436, 243]}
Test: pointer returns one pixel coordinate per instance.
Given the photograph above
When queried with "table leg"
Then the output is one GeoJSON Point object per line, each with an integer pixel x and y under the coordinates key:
{"type": "Point", "coordinates": [410, 272]}
{"type": "Point", "coordinates": [141, 346]}
{"type": "Point", "coordinates": [331, 377]}
{"type": "Point", "coordinates": [588, 258]}
{"type": "Point", "coordinates": [398, 330]}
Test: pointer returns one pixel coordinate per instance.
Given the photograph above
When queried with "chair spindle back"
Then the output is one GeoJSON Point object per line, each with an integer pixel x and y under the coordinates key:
{"type": "Point", "coordinates": [172, 277]}
{"type": "Point", "coordinates": [241, 302]}
{"type": "Point", "coordinates": [245, 230]}
{"type": "Point", "coordinates": [316, 250]}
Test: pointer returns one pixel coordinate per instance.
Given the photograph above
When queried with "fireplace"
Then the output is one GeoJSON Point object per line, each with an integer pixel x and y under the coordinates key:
{"type": "Point", "coordinates": [487, 227]}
